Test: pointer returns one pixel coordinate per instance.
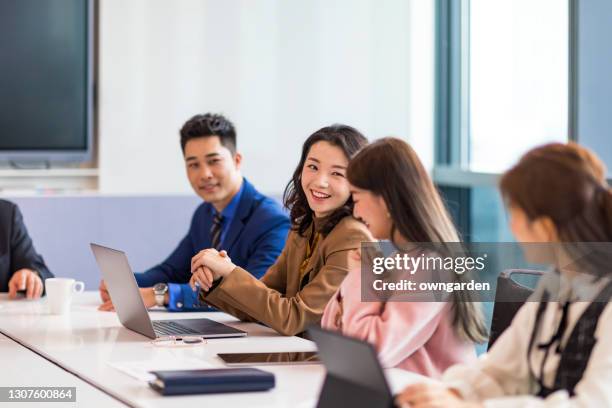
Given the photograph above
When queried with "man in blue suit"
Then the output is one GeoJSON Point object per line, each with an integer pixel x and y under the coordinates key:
{"type": "Point", "coordinates": [234, 217]}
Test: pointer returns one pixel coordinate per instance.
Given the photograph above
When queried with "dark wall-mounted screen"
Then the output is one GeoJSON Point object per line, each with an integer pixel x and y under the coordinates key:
{"type": "Point", "coordinates": [45, 85]}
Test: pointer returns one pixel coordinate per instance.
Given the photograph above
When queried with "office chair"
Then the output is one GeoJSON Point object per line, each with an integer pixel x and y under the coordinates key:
{"type": "Point", "coordinates": [509, 297]}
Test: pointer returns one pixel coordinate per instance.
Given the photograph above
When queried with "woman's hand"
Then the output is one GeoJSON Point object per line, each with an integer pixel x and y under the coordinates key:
{"type": "Point", "coordinates": [202, 278]}
{"type": "Point", "coordinates": [432, 395]}
{"type": "Point", "coordinates": [208, 266]}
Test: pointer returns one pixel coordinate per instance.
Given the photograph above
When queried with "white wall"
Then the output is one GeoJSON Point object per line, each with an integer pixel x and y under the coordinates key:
{"type": "Point", "coordinates": [278, 69]}
{"type": "Point", "coordinates": [421, 80]}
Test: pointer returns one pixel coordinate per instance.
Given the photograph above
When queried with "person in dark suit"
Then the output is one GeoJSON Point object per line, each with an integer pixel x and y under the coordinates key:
{"type": "Point", "coordinates": [234, 217]}
{"type": "Point", "coordinates": [21, 268]}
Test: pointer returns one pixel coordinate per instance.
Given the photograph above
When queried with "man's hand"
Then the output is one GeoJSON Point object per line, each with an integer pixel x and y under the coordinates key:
{"type": "Point", "coordinates": [209, 265]}
{"type": "Point", "coordinates": [104, 295]}
{"type": "Point", "coordinates": [28, 280]}
{"type": "Point", "coordinates": [147, 294]}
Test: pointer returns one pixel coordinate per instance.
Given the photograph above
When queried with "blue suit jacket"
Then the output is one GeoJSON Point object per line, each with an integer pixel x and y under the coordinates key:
{"type": "Point", "coordinates": [255, 238]}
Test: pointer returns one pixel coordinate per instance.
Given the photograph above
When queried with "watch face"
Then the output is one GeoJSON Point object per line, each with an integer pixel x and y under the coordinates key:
{"type": "Point", "coordinates": [160, 288]}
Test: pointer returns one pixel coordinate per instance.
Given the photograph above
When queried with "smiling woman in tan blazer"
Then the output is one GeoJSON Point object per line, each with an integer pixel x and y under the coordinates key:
{"type": "Point", "coordinates": [294, 291]}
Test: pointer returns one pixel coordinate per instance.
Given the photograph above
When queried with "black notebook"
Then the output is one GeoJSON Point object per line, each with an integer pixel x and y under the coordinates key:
{"type": "Point", "coordinates": [180, 382]}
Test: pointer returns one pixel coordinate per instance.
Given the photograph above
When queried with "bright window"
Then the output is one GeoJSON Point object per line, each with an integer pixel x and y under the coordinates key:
{"type": "Point", "coordinates": [518, 79]}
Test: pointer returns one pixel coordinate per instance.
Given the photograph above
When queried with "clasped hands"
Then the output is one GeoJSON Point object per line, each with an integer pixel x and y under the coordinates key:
{"type": "Point", "coordinates": [209, 265]}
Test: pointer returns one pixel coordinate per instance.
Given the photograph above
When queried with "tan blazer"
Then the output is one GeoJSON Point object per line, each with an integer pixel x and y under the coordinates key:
{"type": "Point", "coordinates": [276, 300]}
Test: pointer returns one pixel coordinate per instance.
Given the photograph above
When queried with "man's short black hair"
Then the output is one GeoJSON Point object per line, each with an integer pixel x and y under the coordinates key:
{"type": "Point", "coordinates": [209, 124]}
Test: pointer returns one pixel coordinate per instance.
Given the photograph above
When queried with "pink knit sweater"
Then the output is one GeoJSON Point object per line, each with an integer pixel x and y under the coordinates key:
{"type": "Point", "coordinates": [415, 336]}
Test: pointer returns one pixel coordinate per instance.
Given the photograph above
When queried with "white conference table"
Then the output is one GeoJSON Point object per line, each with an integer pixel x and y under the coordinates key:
{"type": "Point", "coordinates": [24, 368]}
{"type": "Point", "coordinates": [94, 346]}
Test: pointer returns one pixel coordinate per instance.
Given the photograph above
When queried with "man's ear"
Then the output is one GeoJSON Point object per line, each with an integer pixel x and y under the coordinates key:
{"type": "Point", "coordinates": [237, 160]}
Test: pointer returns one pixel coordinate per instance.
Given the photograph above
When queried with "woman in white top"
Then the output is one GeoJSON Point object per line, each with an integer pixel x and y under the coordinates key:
{"type": "Point", "coordinates": [558, 350]}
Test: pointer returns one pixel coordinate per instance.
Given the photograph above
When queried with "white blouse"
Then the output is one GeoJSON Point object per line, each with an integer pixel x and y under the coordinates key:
{"type": "Point", "coordinates": [502, 377]}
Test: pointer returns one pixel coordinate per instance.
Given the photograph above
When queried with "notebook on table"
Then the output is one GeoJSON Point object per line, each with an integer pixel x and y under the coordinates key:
{"type": "Point", "coordinates": [220, 380]}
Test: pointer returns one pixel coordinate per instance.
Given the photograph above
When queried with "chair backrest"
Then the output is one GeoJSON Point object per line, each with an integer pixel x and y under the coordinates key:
{"type": "Point", "coordinates": [509, 297]}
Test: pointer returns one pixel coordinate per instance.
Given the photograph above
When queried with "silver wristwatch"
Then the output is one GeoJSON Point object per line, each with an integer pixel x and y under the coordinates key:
{"type": "Point", "coordinates": [160, 291]}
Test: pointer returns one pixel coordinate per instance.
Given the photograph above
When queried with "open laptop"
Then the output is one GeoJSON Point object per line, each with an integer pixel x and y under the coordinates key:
{"type": "Point", "coordinates": [354, 375]}
{"type": "Point", "coordinates": [123, 289]}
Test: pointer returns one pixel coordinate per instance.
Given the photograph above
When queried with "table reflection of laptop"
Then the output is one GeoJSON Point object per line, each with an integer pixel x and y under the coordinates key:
{"type": "Point", "coordinates": [131, 310]}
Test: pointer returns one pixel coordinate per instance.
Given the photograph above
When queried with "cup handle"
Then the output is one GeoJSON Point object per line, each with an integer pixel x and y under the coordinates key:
{"type": "Point", "coordinates": [78, 287]}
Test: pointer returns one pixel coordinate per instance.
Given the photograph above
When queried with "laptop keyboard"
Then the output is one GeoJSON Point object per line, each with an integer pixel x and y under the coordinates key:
{"type": "Point", "coordinates": [170, 328]}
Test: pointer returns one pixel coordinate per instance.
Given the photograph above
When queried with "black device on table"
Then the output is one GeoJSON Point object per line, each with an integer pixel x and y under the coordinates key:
{"type": "Point", "coordinates": [354, 378]}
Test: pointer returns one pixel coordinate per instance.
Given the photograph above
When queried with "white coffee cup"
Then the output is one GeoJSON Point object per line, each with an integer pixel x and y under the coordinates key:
{"type": "Point", "coordinates": [59, 293]}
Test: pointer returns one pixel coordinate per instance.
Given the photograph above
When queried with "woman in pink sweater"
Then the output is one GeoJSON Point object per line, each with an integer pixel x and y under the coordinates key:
{"type": "Point", "coordinates": [397, 200]}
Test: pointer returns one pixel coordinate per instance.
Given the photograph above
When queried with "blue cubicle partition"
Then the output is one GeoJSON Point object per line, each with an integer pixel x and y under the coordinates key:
{"type": "Point", "coordinates": [146, 227]}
